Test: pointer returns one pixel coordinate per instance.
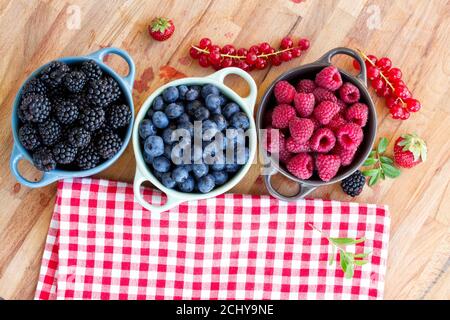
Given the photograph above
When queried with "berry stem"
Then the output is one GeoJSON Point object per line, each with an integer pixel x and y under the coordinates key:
{"type": "Point", "coordinates": [243, 57]}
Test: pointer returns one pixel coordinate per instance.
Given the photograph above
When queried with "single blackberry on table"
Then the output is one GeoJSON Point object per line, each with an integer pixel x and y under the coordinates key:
{"type": "Point", "coordinates": [354, 184]}
{"type": "Point", "coordinates": [66, 111]}
{"type": "Point", "coordinates": [75, 81]}
{"type": "Point", "coordinates": [50, 132]}
{"type": "Point", "coordinates": [108, 144]}
{"type": "Point", "coordinates": [79, 137]}
{"type": "Point", "coordinates": [35, 108]}
{"type": "Point", "coordinates": [34, 85]}
{"type": "Point", "coordinates": [29, 137]}
{"type": "Point", "coordinates": [64, 152]}
{"type": "Point", "coordinates": [88, 158]}
{"type": "Point", "coordinates": [118, 116]}
{"type": "Point", "coordinates": [43, 159]}
{"type": "Point", "coordinates": [92, 118]}
{"type": "Point", "coordinates": [53, 74]}
{"type": "Point", "coordinates": [91, 70]}
{"type": "Point", "coordinates": [102, 92]}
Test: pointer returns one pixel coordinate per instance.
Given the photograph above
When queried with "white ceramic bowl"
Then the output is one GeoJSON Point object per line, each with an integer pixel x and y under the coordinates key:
{"type": "Point", "coordinates": [176, 197]}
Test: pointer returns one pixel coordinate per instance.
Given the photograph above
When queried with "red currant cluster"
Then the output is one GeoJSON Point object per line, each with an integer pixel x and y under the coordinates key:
{"type": "Point", "coordinates": [388, 83]}
{"type": "Point", "coordinates": [257, 56]}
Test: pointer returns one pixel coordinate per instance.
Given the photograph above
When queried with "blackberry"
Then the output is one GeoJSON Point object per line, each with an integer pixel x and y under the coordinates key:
{"type": "Point", "coordinates": [64, 152]}
{"type": "Point", "coordinates": [35, 107]}
{"type": "Point", "coordinates": [34, 86]}
{"type": "Point", "coordinates": [79, 137]}
{"type": "Point", "coordinates": [103, 92]}
{"type": "Point", "coordinates": [91, 70]}
{"type": "Point", "coordinates": [354, 184]}
{"type": "Point", "coordinates": [66, 111]}
{"type": "Point", "coordinates": [43, 159]}
{"type": "Point", "coordinates": [29, 137]}
{"type": "Point", "coordinates": [108, 144]}
{"type": "Point", "coordinates": [92, 118]}
{"type": "Point", "coordinates": [50, 132]}
{"type": "Point", "coordinates": [118, 116]}
{"type": "Point", "coordinates": [75, 81]}
{"type": "Point", "coordinates": [87, 158]}
{"type": "Point", "coordinates": [80, 101]}
{"type": "Point", "coordinates": [53, 74]}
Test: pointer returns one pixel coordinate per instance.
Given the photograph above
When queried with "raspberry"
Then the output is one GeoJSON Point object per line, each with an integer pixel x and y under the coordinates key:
{"type": "Point", "coordinates": [301, 129]}
{"type": "Point", "coordinates": [284, 155]}
{"type": "Point", "coordinates": [357, 114]}
{"type": "Point", "coordinates": [329, 78]}
{"type": "Point", "coordinates": [281, 116]}
{"type": "Point", "coordinates": [341, 104]}
{"type": "Point", "coordinates": [304, 103]}
{"type": "Point", "coordinates": [321, 94]}
{"type": "Point", "coordinates": [325, 111]}
{"type": "Point", "coordinates": [323, 140]}
{"type": "Point", "coordinates": [301, 166]}
{"type": "Point", "coordinates": [349, 93]}
{"type": "Point", "coordinates": [337, 122]}
{"type": "Point", "coordinates": [284, 92]}
{"type": "Point", "coordinates": [315, 123]}
{"type": "Point", "coordinates": [297, 147]}
{"type": "Point", "coordinates": [273, 140]}
{"type": "Point", "coordinates": [327, 166]}
{"type": "Point", "coordinates": [306, 86]}
{"type": "Point", "coordinates": [346, 155]}
{"type": "Point", "coordinates": [349, 136]}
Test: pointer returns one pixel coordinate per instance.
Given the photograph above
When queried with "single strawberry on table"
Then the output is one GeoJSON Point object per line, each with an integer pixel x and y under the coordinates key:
{"type": "Point", "coordinates": [409, 150]}
{"type": "Point", "coordinates": [161, 29]}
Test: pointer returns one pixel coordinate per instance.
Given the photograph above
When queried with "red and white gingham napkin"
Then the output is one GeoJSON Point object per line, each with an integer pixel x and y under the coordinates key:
{"type": "Point", "coordinates": [103, 245]}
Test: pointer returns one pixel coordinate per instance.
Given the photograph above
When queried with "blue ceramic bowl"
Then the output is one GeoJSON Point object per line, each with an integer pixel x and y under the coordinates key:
{"type": "Point", "coordinates": [126, 85]}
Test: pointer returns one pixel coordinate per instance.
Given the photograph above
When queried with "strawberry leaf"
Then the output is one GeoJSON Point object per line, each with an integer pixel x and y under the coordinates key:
{"type": "Point", "coordinates": [387, 160]}
{"type": "Point", "coordinates": [382, 145]}
{"type": "Point", "coordinates": [374, 179]}
{"type": "Point", "coordinates": [370, 172]}
{"type": "Point", "coordinates": [390, 171]}
{"type": "Point", "coordinates": [370, 162]}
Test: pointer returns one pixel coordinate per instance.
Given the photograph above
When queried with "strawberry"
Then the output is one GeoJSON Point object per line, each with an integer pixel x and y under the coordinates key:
{"type": "Point", "coordinates": [161, 29]}
{"type": "Point", "coordinates": [409, 150]}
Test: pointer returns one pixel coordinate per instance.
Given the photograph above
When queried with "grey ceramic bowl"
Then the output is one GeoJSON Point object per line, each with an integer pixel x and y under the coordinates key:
{"type": "Point", "coordinates": [308, 72]}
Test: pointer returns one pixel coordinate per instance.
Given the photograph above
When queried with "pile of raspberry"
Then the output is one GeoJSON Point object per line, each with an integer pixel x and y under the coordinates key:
{"type": "Point", "coordinates": [317, 125]}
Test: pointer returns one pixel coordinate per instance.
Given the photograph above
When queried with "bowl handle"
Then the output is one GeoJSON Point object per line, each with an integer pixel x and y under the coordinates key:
{"type": "Point", "coordinates": [304, 189]}
{"type": "Point", "coordinates": [100, 55]}
{"type": "Point", "coordinates": [326, 58]}
{"type": "Point", "coordinates": [220, 75]}
{"type": "Point", "coordinates": [46, 179]}
{"type": "Point", "coordinates": [170, 203]}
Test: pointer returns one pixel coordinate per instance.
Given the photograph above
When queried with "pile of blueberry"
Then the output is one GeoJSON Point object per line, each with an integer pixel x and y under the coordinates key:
{"type": "Point", "coordinates": [193, 138]}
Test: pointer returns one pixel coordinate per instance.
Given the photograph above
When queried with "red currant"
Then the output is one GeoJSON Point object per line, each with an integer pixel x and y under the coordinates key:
{"type": "Point", "coordinates": [303, 44]}
{"type": "Point", "coordinates": [385, 91]}
{"type": "Point", "coordinates": [399, 83]}
{"type": "Point", "coordinates": [226, 62]}
{"type": "Point", "coordinates": [402, 92]}
{"type": "Point", "coordinates": [394, 74]}
{"type": "Point", "coordinates": [391, 101]}
{"type": "Point", "coordinates": [384, 64]}
{"type": "Point", "coordinates": [397, 111]}
{"type": "Point", "coordinates": [356, 65]}
{"type": "Point", "coordinates": [275, 60]}
{"type": "Point", "coordinates": [413, 105]}
{"type": "Point", "coordinates": [286, 56]}
{"type": "Point", "coordinates": [372, 58]}
{"type": "Point", "coordinates": [242, 52]}
{"type": "Point", "coordinates": [378, 84]}
{"type": "Point", "coordinates": [254, 49]}
{"type": "Point", "coordinates": [405, 115]}
{"type": "Point", "coordinates": [194, 53]}
{"type": "Point", "coordinates": [373, 73]}
{"type": "Point", "coordinates": [286, 42]}
{"type": "Point", "coordinates": [296, 52]}
{"type": "Point", "coordinates": [251, 58]}
{"type": "Point", "coordinates": [228, 49]}
{"type": "Point", "coordinates": [244, 66]}
{"type": "Point", "coordinates": [260, 63]}
{"type": "Point", "coordinates": [203, 61]}
{"type": "Point", "coordinates": [214, 48]}
{"type": "Point", "coordinates": [216, 66]}
{"type": "Point", "coordinates": [270, 51]}
{"type": "Point", "coordinates": [264, 47]}
{"type": "Point", "coordinates": [204, 43]}
{"type": "Point", "coordinates": [214, 57]}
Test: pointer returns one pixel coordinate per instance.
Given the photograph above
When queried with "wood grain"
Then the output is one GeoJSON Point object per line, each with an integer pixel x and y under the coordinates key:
{"type": "Point", "coordinates": [414, 34]}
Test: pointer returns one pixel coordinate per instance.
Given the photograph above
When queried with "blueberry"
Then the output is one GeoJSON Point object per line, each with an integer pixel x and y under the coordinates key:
{"type": "Point", "coordinates": [168, 151]}
{"type": "Point", "coordinates": [232, 167]}
{"type": "Point", "coordinates": [167, 180]}
{"type": "Point", "coordinates": [174, 110]}
{"type": "Point", "coordinates": [183, 118]}
{"type": "Point", "coordinates": [222, 99]}
{"type": "Point", "coordinates": [158, 175]}
{"type": "Point", "coordinates": [192, 106]}
{"type": "Point", "coordinates": [146, 128]}
{"type": "Point", "coordinates": [230, 109]}
{"type": "Point", "coordinates": [209, 129]}
{"type": "Point", "coordinates": [208, 89]}
{"type": "Point", "coordinates": [196, 153]}
{"type": "Point", "coordinates": [212, 102]}
{"type": "Point", "coordinates": [147, 158]}
{"type": "Point", "coordinates": [220, 177]}
{"type": "Point", "coordinates": [158, 104]}
{"type": "Point", "coordinates": [182, 91]}
{"type": "Point", "coordinates": [154, 146]}
{"type": "Point", "coordinates": [201, 113]}
{"type": "Point", "coordinates": [200, 170]}
{"type": "Point", "coordinates": [188, 167]}
{"type": "Point", "coordinates": [242, 155]}
{"type": "Point", "coordinates": [161, 164]}
{"type": "Point", "coordinates": [160, 120]}
{"type": "Point", "coordinates": [206, 183]}
{"type": "Point", "coordinates": [191, 94]}
{"type": "Point", "coordinates": [218, 165]}
{"type": "Point", "coordinates": [167, 135]}
{"type": "Point", "coordinates": [240, 120]}
{"type": "Point", "coordinates": [220, 121]}
{"type": "Point", "coordinates": [180, 174]}
{"type": "Point", "coordinates": [187, 126]}
{"type": "Point", "coordinates": [170, 94]}
{"type": "Point", "coordinates": [188, 185]}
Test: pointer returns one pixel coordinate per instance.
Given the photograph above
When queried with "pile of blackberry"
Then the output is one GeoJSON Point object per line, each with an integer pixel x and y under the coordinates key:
{"type": "Point", "coordinates": [72, 117]}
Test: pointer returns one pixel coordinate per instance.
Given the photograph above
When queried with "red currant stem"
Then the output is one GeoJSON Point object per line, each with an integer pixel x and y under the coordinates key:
{"type": "Point", "coordinates": [243, 57]}
{"type": "Point", "coordinates": [366, 58]}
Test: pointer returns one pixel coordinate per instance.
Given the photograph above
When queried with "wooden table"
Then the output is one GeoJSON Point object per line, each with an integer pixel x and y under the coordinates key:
{"type": "Point", "coordinates": [414, 34]}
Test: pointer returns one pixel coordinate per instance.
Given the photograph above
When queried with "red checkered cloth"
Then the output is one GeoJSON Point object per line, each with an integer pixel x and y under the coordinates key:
{"type": "Point", "coordinates": [103, 245]}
